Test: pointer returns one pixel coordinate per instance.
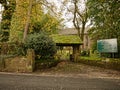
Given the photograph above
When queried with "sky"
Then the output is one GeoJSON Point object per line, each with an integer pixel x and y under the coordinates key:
{"type": "Point", "coordinates": [0, 12]}
{"type": "Point", "coordinates": [65, 16]}
{"type": "Point", "coordinates": [68, 24]}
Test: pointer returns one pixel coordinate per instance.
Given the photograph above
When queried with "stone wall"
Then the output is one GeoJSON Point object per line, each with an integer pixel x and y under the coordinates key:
{"type": "Point", "coordinates": [107, 63]}
{"type": "Point", "coordinates": [19, 63]}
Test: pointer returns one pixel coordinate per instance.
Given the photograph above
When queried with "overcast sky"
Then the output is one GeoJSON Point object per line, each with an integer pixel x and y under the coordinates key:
{"type": "Point", "coordinates": [64, 15]}
{"type": "Point", "coordinates": [0, 11]}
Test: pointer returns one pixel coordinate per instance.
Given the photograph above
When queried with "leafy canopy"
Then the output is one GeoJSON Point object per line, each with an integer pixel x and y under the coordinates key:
{"type": "Point", "coordinates": [104, 16]}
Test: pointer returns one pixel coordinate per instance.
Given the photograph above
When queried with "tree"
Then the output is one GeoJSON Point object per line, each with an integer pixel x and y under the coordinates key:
{"type": "Point", "coordinates": [48, 24]}
{"type": "Point", "coordinates": [80, 19]}
{"type": "Point", "coordinates": [28, 19]}
{"type": "Point", "coordinates": [28, 14]}
{"type": "Point", "coordinates": [22, 18]}
{"type": "Point", "coordinates": [104, 16]}
{"type": "Point", "coordinates": [9, 7]}
{"type": "Point", "coordinates": [79, 15]}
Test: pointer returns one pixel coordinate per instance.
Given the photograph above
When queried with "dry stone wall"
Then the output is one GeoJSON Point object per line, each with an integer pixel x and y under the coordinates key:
{"type": "Point", "coordinates": [19, 63]}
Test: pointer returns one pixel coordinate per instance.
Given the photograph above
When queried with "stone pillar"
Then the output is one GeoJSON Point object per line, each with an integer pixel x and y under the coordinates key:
{"type": "Point", "coordinates": [30, 60]}
{"type": "Point", "coordinates": [76, 52]}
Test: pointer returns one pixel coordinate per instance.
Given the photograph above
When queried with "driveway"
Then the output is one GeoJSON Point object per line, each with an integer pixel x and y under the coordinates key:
{"type": "Point", "coordinates": [77, 69]}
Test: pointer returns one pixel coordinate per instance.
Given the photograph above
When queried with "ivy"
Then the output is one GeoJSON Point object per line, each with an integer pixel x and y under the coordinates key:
{"type": "Point", "coordinates": [9, 7]}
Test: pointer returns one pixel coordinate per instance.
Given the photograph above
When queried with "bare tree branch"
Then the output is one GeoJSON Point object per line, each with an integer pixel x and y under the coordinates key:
{"type": "Point", "coordinates": [48, 5]}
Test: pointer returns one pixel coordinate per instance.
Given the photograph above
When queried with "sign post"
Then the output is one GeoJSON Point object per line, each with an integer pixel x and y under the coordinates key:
{"type": "Point", "coordinates": [107, 46]}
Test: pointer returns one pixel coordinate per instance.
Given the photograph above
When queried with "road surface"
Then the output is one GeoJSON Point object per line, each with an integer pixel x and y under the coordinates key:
{"type": "Point", "coordinates": [37, 82]}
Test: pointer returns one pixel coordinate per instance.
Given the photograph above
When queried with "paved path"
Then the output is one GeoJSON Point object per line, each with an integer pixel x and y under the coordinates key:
{"type": "Point", "coordinates": [40, 82]}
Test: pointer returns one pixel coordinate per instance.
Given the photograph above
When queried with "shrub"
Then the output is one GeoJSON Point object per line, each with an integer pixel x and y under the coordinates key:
{"type": "Point", "coordinates": [42, 44]}
{"type": "Point", "coordinates": [12, 48]}
{"type": "Point", "coordinates": [85, 53]}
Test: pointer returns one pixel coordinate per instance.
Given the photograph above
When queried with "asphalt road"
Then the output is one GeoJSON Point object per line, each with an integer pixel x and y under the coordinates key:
{"type": "Point", "coordinates": [37, 82]}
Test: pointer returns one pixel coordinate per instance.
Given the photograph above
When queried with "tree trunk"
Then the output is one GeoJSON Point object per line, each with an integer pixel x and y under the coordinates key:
{"type": "Point", "coordinates": [28, 20]}
{"type": "Point", "coordinates": [83, 32]}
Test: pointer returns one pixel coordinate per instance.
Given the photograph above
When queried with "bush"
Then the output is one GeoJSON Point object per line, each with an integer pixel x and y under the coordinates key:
{"type": "Point", "coordinates": [12, 48]}
{"type": "Point", "coordinates": [42, 44]}
{"type": "Point", "coordinates": [85, 53]}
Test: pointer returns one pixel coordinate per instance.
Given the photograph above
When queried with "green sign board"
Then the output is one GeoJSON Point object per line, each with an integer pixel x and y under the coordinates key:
{"type": "Point", "coordinates": [107, 46]}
